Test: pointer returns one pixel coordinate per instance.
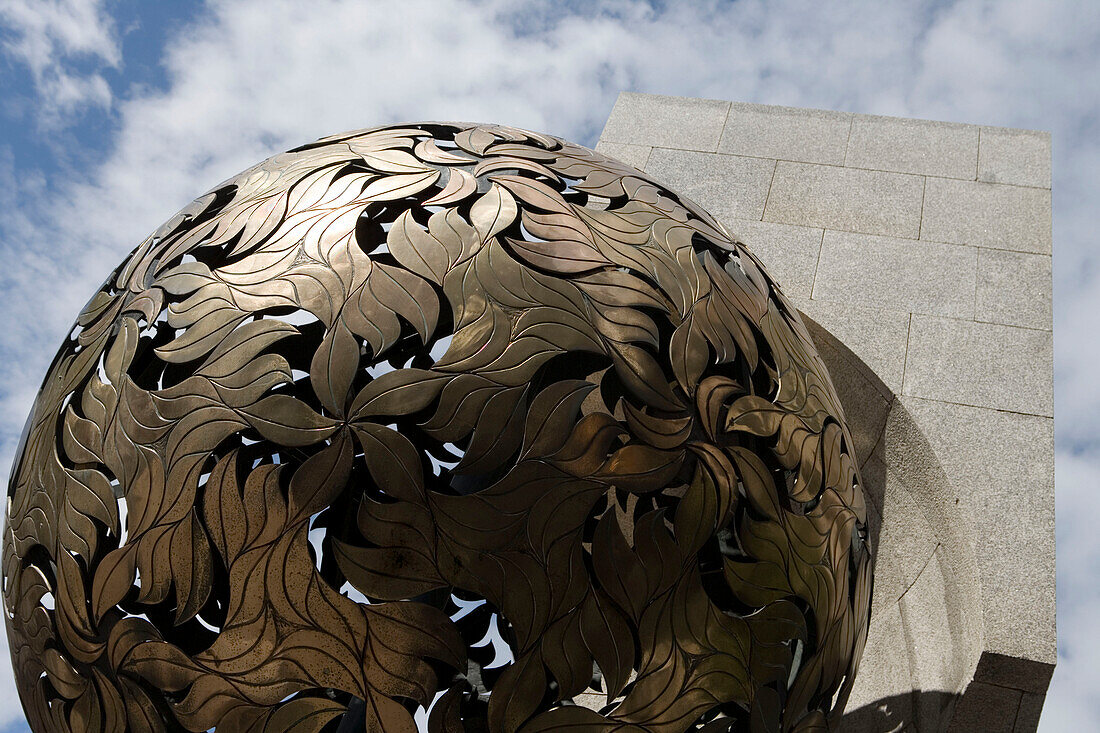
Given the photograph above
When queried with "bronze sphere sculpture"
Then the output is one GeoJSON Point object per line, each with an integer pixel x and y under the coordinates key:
{"type": "Point", "coordinates": [439, 426]}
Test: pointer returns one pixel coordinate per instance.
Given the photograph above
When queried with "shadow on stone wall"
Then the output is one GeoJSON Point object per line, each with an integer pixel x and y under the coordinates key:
{"type": "Point", "coordinates": [898, 713]}
{"type": "Point", "coordinates": [926, 622]}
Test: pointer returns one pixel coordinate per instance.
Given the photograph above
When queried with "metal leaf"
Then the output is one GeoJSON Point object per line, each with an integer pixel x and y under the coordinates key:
{"type": "Point", "coordinates": [393, 461]}
{"type": "Point", "coordinates": [389, 188]}
{"type": "Point", "coordinates": [493, 212]}
{"type": "Point", "coordinates": [287, 421]}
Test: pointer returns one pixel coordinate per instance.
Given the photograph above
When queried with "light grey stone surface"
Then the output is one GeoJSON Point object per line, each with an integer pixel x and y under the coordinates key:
{"type": "Point", "coordinates": [884, 676]}
{"type": "Point", "coordinates": [728, 186]}
{"type": "Point", "coordinates": [786, 133]}
{"type": "Point", "coordinates": [789, 252]}
{"type": "Point", "coordinates": [905, 546]}
{"type": "Point", "coordinates": [913, 523]}
{"type": "Point", "coordinates": [1019, 157]}
{"type": "Point", "coordinates": [987, 214]}
{"type": "Point", "coordinates": [635, 155]}
{"type": "Point", "coordinates": [942, 609]}
{"type": "Point", "coordinates": [885, 272]}
{"type": "Point", "coordinates": [848, 199]}
{"type": "Point", "coordinates": [986, 451]}
{"type": "Point", "coordinates": [936, 331]}
{"type": "Point", "coordinates": [913, 146]}
{"type": "Point", "coordinates": [912, 459]}
{"type": "Point", "coordinates": [927, 609]}
{"type": "Point", "coordinates": [980, 364]}
{"type": "Point", "coordinates": [1014, 288]}
{"type": "Point", "coordinates": [669, 122]}
{"type": "Point", "coordinates": [877, 336]}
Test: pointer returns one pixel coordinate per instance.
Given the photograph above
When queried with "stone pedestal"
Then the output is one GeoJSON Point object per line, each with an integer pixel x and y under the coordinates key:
{"type": "Point", "coordinates": [920, 254]}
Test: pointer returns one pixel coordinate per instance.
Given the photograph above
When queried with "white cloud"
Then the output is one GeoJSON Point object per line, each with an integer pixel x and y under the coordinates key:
{"type": "Point", "coordinates": [1073, 700]}
{"type": "Point", "coordinates": [49, 36]}
{"type": "Point", "coordinates": [250, 77]}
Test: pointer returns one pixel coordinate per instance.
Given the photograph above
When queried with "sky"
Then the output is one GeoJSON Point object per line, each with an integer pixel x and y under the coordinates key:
{"type": "Point", "coordinates": [116, 113]}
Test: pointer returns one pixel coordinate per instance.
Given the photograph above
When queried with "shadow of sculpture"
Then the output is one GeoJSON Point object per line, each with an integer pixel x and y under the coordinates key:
{"type": "Point", "coordinates": [894, 714]}
{"type": "Point", "coordinates": [926, 622]}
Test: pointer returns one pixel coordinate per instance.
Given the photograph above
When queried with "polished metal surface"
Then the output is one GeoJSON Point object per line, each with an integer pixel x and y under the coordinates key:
{"type": "Point", "coordinates": [441, 425]}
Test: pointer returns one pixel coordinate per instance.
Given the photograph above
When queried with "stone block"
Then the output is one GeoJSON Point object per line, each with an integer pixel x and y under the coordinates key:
{"type": "Point", "coordinates": [727, 186]}
{"type": "Point", "coordinates": [668, 122]}
{"type": "Point", "coordinates": [913, 146]}
{"type": "Point", "coordinates": [851, 200]}
{"type": "Point", "coordinates": [942, 607]}
{"type": "Point", "coordinates": [877, 336]}
{"type": "Point", "coordinates": [986, 708]}
{"type": "Point", "coordinates": [635, 155]}
{"type": "Point", "coordinates": [915, 465]}
{"type": "Point", "coordinates": [1014, 288]}
{"type": "Point", "coordinates": [927, 612]}
{"type": "Point", "coordinates": [907, 542]}
{"type": "Point", "coordinates": [1018, 157]}
{"type": "Point", "coordinates": [1002, 464]}
{"type": "Point", "coordinates": [786, 133]}
{"type": "Point", "coordinates": [980, 364]}
{"type": "Point", "coordinates": [886, 272]}
{"type": "Point", "coordinates": [987, 214]}
{"type": "Point", "coordinates": [881, 698]}
{"type": "Point", "coordinates": [788, 252]}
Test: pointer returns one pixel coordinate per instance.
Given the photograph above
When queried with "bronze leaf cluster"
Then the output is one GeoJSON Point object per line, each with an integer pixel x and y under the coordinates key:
{"type": "Point", "coordinates": [443, 427]}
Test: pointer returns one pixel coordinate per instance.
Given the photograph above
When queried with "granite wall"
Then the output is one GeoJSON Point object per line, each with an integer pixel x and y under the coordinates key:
{"type": "Point", "coordinates": [920, 254]}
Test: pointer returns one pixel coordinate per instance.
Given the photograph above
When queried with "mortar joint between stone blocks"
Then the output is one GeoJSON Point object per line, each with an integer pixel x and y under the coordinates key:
{"type": "Point", "coordinates": [764, 211]}
{"type": "Point", "coordinates": [817, 264]}
{"type": "Point", "coordinates": [905, 361]}
{"type": "Point", "coordinates": [923, 193]}
{"type": "Point", "coordinates": [722, 132]}
{"type": "Point", "coordinates": [848, 140]}
{"type": "Point", "coordinates": [978, 162]}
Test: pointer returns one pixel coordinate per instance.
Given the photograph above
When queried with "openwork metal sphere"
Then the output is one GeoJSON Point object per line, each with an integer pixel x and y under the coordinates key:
{"type": "Point", "coordinates": [443, 426]}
